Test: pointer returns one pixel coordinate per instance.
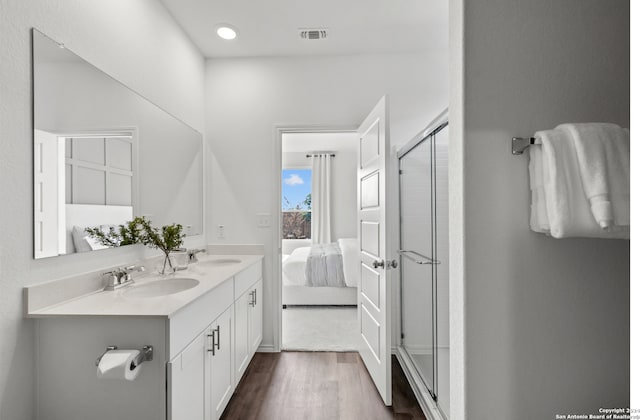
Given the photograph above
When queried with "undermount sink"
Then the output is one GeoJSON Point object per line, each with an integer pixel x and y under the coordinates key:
{"type": "Point", "coordinates": [161, 287]}
{"type": "Point", "coordinates": [220, 261]}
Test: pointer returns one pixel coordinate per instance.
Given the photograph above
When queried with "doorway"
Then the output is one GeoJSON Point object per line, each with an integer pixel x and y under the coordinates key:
{"type": "Point", "coordinates": [318, 211]}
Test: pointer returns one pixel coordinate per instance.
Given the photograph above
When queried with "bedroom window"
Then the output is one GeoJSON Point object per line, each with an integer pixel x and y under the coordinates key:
{"type": "Point", "coordinates": [296, 204]}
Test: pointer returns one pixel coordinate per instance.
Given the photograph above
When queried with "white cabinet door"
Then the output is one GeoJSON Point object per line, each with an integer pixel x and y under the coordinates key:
{"type": "Point", "coordinates": [221, 369]}
{"type": "Point", "coordinates": [242, 320]}
{"type": "Point", "coordinates": [255, 335]}
{"type": "Point", "coordinates": [187, 382]}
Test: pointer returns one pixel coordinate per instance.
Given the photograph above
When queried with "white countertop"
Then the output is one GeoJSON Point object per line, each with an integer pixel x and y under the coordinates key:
{"type": "Point", "coordinates": [117, 303]}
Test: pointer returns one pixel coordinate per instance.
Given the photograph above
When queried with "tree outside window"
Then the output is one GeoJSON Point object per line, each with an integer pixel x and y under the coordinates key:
{"type": "Point", "coordinates": [296, 204]}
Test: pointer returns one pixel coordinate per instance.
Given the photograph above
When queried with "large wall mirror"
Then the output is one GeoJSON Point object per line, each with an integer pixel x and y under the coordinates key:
{"type": "Point", "coordinates": [104, 154]}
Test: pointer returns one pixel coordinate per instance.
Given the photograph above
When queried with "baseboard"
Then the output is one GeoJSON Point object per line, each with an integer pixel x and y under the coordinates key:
{"type": "Point", "coordinates": [267, 348]}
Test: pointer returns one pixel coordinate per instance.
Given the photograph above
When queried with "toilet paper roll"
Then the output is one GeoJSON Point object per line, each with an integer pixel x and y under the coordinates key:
{"type": "Point", "coordinates": [118, 364]}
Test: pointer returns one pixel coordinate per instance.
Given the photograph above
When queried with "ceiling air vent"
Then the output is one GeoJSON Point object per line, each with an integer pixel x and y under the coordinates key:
{"type": "Point", "coordinates": [313, 33]}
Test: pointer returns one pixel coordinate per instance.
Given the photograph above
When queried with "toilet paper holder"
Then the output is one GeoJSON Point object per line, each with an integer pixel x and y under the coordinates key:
{"type": "Point", "coordinates": [146, 355]}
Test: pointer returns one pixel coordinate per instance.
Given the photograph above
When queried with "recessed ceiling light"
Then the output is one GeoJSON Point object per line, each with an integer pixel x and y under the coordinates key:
{"type": "Point", "coordinates": [226, 32]}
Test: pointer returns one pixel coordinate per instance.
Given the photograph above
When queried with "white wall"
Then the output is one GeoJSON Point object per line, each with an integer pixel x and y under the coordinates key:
{"type": "Point", "coordinates": [546, 320]}
{"type": "Point", "coordinates": [344, 186]}
{"type": "Point", "coordinates": [245, 98]}
{"type": "Point", "coordinates": [161, 141]}
{"type": "Point", "coordinates": [137, 43]}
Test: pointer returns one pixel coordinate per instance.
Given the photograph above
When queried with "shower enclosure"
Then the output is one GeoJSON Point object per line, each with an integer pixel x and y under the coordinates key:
{"type": "Point", "coordinates": [424, 264]}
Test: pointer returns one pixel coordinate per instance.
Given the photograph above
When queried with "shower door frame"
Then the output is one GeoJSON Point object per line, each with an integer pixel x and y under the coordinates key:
{"type": "Point", "coordinates": [434, 337]}
{"type": "Point", "coordinates": [416, 380]}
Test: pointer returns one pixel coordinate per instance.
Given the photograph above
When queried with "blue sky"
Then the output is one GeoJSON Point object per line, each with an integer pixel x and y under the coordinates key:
{"type": "Point", "coordinates": [296, 184]}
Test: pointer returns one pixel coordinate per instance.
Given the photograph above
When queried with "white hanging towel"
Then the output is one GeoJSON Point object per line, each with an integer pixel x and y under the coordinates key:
{"type": "Point", "coordinates": [539, 221]}
{"type": "Point", "coordinates": [603, 160]}
{"type": "Point", "coordinates": [567, 208]}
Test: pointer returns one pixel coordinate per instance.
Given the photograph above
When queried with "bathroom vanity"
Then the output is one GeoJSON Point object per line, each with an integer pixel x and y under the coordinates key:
{"type": "Point", "coordinates": [97, 164]}
{"type": "Point", "coordinates": [204, 324]}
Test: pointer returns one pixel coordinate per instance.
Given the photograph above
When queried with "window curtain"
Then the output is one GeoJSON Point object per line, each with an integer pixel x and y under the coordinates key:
{"type": "Point", "coordinates": [321, 198]}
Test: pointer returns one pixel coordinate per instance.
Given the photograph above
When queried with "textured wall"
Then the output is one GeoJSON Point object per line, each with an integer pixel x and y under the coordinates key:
{"type": "Point", "coordinates": [137, 43]}
{"type": "Point", "coordinates": [546, 320]}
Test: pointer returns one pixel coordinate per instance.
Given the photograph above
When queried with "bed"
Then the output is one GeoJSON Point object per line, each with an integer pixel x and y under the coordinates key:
{"type": "Point", "coordinates": [80, 216]}
{"type": "Point", "coordinates": [299, 289]}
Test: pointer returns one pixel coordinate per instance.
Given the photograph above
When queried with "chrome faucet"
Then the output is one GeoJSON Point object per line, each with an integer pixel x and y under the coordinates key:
{"type": "Point", "coordinates": [192, 253]}
{"type": "Point", "coordinates": [132, 269]}
{"type": "Point", "coordinates": [121, 276]}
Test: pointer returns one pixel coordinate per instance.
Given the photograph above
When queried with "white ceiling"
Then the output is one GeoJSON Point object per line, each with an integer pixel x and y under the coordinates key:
{"type": "Point", "coordinates": [270, 27]}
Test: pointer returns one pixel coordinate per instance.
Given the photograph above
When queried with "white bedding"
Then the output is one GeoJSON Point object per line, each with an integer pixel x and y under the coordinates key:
{"type": "Point", "coordinates": [293, 268]}
{"type": "Point", "coordinates": [324, 266]}
{"type": "Point", "coordinates": [350, 260]}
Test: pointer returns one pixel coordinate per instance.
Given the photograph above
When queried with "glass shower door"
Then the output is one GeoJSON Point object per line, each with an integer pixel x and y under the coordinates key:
{"type": "Point", "coordinates": [418, 334]}
{"type": "Point", "coordinates": [424, 257]}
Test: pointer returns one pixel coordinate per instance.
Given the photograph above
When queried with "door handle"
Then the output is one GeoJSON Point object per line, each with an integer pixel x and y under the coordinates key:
{"type": "Point", "coordinates": [378, 264]}
{"type": "Point", "coordinates": [392, 264]}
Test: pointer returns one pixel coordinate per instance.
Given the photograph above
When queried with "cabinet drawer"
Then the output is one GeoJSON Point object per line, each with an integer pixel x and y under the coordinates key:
{"type": "Point", "coordinates": [246, 278]}
{"type": "Point", "coordinates": [195, 318]}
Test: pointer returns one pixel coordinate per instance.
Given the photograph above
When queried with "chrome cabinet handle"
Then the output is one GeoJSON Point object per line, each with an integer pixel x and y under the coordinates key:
{"type": "Point", "coordinates": [378, 264]}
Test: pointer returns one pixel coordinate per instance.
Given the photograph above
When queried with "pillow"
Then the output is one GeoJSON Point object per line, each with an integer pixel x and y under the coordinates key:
{"type": "Point", "coordinates": [350, 260]}
{"type": "Point", "coordinates": [83, 242]}
{"type": "Point", "coordinates": [94, 244]}
{"type": "Point", "coordinates": [80, 239]}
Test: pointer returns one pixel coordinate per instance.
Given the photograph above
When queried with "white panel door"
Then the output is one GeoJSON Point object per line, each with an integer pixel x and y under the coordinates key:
{"type": "Point", "coordinates": [373, 292]}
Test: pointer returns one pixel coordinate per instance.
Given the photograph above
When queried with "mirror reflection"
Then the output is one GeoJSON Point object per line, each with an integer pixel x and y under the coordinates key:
{"type": "Point", "coordinates": [104, 154]}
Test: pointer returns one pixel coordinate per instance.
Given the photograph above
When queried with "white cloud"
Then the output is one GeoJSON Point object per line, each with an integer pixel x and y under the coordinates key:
{"type": "Point", "coordinates": [294, 179]}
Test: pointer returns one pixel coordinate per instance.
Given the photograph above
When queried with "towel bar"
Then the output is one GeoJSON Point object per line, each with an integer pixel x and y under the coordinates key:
{"type": "Point", "coordinates": [405, 253]}
{"type": "Point", "coordinates": [520, 144]}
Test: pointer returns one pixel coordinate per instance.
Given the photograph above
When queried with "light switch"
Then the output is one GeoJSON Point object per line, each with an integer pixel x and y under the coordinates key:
{"type": "Point", "coordinates": [264, 220]}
